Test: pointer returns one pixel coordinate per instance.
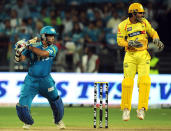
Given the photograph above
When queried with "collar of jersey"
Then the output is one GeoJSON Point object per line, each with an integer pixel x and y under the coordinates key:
{"type": "Point", "coordinates": [129, 22]}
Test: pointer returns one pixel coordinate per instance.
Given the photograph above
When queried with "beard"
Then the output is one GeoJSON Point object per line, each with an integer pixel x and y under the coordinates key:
{"type": "Point", "coordinates": [50, 42]}
{"type": "Point", "coordinates": [139, 19]}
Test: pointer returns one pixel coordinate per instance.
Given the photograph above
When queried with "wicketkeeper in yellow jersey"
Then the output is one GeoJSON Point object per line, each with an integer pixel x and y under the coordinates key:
{"type": "Point", "coordinates": [133, 35]}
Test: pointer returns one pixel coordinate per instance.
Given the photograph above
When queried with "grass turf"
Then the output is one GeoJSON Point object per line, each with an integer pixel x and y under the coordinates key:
{"type": "Point", "coordinates": [82, 117]}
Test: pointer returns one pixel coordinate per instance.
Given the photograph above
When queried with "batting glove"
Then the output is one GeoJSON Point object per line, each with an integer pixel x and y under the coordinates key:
{"type": "Point", "coordinates": [21, 45]}
{"type": "Point", "coordinates": [34, 40]}
{"type": "Point", "coordinates": [17, 56]}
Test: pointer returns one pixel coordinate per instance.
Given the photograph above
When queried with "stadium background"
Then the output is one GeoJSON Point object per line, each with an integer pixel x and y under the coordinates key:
{"type": "Point", "coordinates": [97, 21]}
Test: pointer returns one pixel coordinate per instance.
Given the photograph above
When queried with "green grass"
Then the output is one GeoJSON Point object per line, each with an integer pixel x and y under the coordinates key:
{"type": "Point", "coordinates": [82, 117]}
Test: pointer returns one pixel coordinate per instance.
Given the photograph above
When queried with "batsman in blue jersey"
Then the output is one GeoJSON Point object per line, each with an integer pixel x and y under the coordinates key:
{"type": "Point", "coordinates": [38, 79]}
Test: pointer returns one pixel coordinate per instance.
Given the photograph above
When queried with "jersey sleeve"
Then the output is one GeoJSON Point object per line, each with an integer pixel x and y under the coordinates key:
{"type": "Point", "coordinates": [121, 34]}
{"type": "Point", "coordinates": [52, 50]}
{"type": "Point", "coordinates": [153, 34]}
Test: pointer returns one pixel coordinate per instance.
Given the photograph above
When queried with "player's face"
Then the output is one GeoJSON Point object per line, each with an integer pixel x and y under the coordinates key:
{"type": "Point", "coordinates": [139, 16]}
{"type": "Point", "coordinates": [51, 38]}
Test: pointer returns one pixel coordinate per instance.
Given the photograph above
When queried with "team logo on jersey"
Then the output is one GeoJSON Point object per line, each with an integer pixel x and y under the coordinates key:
{"type": "Point", "coordinates": [136, 33]}
{"type": "Point", "coordinates": [50, 51]}
{"type": "Point", "coordinates": [129, 29]}
{"type": "Point", "coordinates": [50, 89]}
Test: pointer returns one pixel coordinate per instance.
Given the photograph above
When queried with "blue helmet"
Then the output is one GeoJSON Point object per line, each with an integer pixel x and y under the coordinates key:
{"type": "Point", "coordinates": [48, 30]}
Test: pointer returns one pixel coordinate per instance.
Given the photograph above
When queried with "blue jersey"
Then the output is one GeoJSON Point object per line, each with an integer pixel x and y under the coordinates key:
{"type": "Point", "coordinates": [40, 66]}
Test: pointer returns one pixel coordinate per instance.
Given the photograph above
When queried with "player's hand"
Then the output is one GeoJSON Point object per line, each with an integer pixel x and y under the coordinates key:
{"type": "Point", "coordinates": [158, 43]}
{"type": "Point", "coordinates": [17, 56]}
{"type": "Point", "coordinates": [135, 44]}
{"type": "Point", "coordinates": [34, 40]}
{"type": "Point", "coordinates": [21, 45]}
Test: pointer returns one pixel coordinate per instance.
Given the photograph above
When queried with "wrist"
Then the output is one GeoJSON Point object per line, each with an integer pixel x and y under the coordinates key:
{"type": "Point", "coordinates": [29, 47]}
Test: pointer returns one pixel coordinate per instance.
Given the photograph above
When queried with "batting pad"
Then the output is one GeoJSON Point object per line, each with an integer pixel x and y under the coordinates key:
{"type": "Point", "coordinates": [58, 109]}
{"type": "Point", "coordinates": [24, 114]}
{"type": "Point", "coordinates": [127, 88]}
{"type": "Point", "coordinates": [144, 84]}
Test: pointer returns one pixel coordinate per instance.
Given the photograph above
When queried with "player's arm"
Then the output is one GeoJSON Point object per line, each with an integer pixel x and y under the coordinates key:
{"type": "Point", "coordinates": [154, 35]}
{"type": "Point", "coordinates": [121, 34]}
{"type": "Point", "coordinates": [39, 52]}
{"type": "Point", "coordinates": [44, 53]}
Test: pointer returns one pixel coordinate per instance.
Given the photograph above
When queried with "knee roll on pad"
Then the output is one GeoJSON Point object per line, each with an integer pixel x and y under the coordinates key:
{"type": "Point", "coordinates": [144, 81]}
{"type": "Point", "coordinates": [127, 88]}
{"type": "Point", "coordinates": [144, 84]}
{"type": "Point", "coordinates": [24, 114]}
{"type": "Point", "coordinates": [58, 109]}
{"type": "Point", "coordinates": [127, 83]}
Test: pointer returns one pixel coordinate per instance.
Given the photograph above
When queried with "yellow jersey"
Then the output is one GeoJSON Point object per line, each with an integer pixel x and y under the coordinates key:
{"type": "Point", "coordinates": [140, 31]}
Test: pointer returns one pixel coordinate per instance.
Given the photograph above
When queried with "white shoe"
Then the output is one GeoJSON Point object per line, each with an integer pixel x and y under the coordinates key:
{"type": "Point", "coordinates": [26, 127]}
{"type": "Point", "coordinates": [126, 115]}
{"type": "Point", "coordinates": [61, 125]}
{"type": "Point", "coordinates": [141, 114]}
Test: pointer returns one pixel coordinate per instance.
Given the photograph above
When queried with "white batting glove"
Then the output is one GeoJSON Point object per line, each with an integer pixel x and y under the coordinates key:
{"type": "Point", "coordinates": [17, 56]}
{"type": "Point", "coordinates": [34, 40]}
{"type": "Point", "coordinates": [21, 45]}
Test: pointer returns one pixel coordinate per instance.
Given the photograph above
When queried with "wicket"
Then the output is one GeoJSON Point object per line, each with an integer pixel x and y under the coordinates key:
{"type": "Point", "coordinates": [101, 104]}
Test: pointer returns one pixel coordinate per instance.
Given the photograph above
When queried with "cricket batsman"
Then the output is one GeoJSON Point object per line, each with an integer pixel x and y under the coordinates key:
{"type": "Point", "coordinates": [38, 79]}
{"type": "Point", "coordinates": [133, 34]}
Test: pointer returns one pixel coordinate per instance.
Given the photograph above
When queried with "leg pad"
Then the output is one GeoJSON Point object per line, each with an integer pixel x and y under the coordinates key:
{"type": "Point", "coordinates": [144, 84]}
{"type": "Point", "coordinates": [58, 109]}
{"type": "Point", "coordinates": [24, 114]}
{"type": "Point", "coordinates": [127, 88]}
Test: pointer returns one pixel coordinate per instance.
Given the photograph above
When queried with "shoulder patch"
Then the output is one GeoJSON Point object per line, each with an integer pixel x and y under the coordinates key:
{"type": "Point", "coordinates": [53, 47]}
{"type": "Point", "coordinates": [129, 28]}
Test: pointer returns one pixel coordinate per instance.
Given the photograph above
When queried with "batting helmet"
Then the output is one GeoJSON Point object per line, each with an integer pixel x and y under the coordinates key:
{"type": "Point", "coordinates": [47, 30]}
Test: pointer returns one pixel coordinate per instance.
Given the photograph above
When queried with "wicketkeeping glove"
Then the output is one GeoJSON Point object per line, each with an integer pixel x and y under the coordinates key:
{"type": "Point", "coordinates": [158, 43]}
{"type": "Point", "coordinates": [135, 43]}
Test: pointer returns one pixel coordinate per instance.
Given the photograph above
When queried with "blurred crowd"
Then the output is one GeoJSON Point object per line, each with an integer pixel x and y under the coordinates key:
{"type": "Point", "coordinates": [86, 30]}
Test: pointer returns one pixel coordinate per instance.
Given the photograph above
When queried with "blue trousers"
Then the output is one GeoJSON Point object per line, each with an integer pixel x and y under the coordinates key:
{"type": "Point", "coordinates": [32, 86]}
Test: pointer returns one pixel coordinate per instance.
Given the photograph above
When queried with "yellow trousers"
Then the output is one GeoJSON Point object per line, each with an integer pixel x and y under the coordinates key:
{"type": "Point", "coordinates": [136, 62]}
